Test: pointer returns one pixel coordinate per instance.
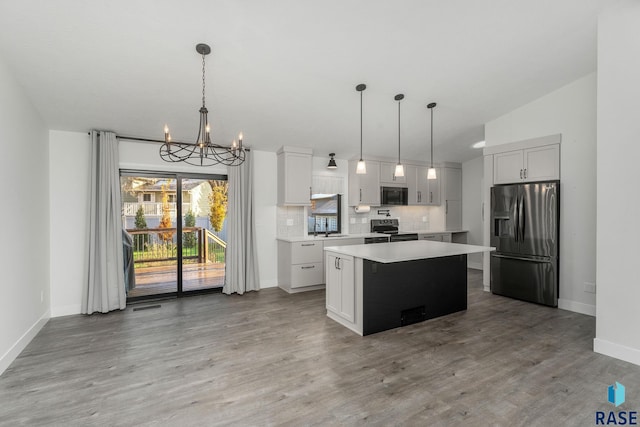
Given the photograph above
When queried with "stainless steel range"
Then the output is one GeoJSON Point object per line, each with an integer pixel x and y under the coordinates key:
{"type": "Point", "coordinates": [391, 227]}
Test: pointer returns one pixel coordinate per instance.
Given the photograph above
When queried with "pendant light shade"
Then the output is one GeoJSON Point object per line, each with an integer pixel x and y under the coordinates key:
{"type": "Point", "coordinates": [431, 173]}
{"type": "Point", "coordinates": [361, 168]}
{"type": "Point", "coordinates": [399, 172]}
{"type": "Point", "coordinates": [332, 162]}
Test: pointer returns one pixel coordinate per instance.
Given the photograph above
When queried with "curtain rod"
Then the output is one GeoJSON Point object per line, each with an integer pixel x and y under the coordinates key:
{"type": "Point", "coordinates": [160, 141]}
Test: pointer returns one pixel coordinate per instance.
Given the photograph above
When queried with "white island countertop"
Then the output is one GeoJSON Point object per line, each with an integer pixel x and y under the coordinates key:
{"type": "Point", "coordinates": [407, 251]}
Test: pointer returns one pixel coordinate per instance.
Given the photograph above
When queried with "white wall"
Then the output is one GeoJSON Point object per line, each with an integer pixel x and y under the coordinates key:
{"type": "Point", "coordinates": [472, 199]}
{"type": "Point", "coordinates": [69, 190]}
{"type": "Point", "coordinates": [618, 290]}
{"type": "Point", "coordinates": [570, 111]}
{"type": "Point", "coordinates": [24, 253]}
{"type": "Point", "coordinates": [265, 171]}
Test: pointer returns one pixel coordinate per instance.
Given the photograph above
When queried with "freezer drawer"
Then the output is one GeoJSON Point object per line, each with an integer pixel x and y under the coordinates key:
{"type": "Point", "coordinates": [527, 279]}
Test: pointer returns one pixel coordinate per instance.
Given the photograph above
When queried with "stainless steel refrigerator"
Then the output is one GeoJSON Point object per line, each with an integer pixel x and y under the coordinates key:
{"type": "Point", "coordinates": [525, 225]}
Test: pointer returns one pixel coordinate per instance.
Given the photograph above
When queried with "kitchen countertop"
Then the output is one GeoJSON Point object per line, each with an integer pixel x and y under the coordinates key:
{"type": "Point", "coordinates": [407, 251]}
{"type": "Point", "coordinates": [434, 231]}
{"type": "Point", "coordinates": [320, 236]}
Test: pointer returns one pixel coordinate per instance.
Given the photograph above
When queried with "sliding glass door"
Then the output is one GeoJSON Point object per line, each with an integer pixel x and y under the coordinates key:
{"type": "Point", "coordinates": [174, 233]}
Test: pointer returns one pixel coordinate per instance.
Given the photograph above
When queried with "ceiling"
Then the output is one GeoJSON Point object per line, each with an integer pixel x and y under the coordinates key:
{"type": "Point", "coordinates": [284, 71]}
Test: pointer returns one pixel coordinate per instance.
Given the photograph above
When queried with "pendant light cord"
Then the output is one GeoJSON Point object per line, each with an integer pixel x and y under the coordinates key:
{"type": "Point", "coordinates": [398, 132]}
{"type": "Point", "coordinates": [360, 125]}
{"type": "Point", "coordinates": [431, 138]}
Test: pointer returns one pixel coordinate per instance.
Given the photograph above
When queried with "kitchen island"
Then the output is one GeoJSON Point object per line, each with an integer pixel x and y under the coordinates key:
{"type": "Point", "coordinates": [372, 288]}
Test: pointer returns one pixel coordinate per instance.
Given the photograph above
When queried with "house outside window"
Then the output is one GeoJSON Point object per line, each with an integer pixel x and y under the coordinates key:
{"type": "Point", "coordinates": [324, 214]}
{"type": "Point", "coordinates": [147, 197]}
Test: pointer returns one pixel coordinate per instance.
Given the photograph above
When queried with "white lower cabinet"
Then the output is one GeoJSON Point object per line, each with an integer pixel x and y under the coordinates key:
{"type": "Point", "coordinates": [436, 237]}
{"type": "Point", "coordinates": [301, 264]}
{"type": "Point", "coordinates": [341, 288]}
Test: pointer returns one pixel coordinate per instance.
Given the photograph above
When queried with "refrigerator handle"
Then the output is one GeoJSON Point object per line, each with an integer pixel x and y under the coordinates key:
{"type": "Point", "coordinates": [517, 221]}
{"type": "Point", "coordinates": [521, 219]}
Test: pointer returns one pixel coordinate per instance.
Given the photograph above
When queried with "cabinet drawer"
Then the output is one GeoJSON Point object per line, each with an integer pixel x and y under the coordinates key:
{"type": "Point", "coordinates": [307, 274]}
{"type": "Point", "coordinates": [306, 252]}
{"type": "Point", "coordinates": [433, 237]}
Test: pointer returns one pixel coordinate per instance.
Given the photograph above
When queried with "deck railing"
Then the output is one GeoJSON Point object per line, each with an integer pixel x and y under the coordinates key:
{"type": "Point", "coordinates": [151, 208]}
{"type": "Point", "coordinates": [153, 245]}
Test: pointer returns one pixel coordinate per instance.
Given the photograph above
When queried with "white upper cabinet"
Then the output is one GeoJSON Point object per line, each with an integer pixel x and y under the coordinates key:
{"type": "Point", "coordinates": [527, 165]}
{"type": "Point", "coordinates": [422, 191]}
{"type": "Point", "coordinates": [294, 176]}
{"type": "Point", "coordinates": [388, 177]}
{"type": "Point", "coordinates": [453, 198]}
{"type": "Point", "coordinates": [542, 163]}
{"type": "Point", "coordinates": [364, 189]}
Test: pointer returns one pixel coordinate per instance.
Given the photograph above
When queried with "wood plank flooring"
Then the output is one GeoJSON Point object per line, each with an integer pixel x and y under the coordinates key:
{"type": "Point", "coordinates": [270, 358]}
{"type": "Point", "coordinates": [163, 279]}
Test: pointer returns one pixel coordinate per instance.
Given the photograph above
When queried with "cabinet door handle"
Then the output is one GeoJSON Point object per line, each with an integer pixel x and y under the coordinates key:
{"type": "Point", "coordinates": [525, 173]}
{"type": "Point", "coordinates": [430, 196]}
{"type": "Point", "coordinates": [305, 267]}
{"type": "Point", "coordinates": [520, 173]}
{"type": "Point", "coordinates": [446, 207]}
{"type": "Point", "coordinates": [308, 244]}
{"type": "Point", "coordinates": [361, 194]}
{"type": "Point", "coordinates": [419, 194]}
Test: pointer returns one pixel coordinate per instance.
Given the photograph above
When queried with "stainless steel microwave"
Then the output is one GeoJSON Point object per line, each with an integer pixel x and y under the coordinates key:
{"type": "Point", "coordinates": [394, 195]}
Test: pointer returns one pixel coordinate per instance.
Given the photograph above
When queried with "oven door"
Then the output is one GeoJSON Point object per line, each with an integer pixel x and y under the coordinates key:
{"type": "Point", "coordinates": [394, 195]}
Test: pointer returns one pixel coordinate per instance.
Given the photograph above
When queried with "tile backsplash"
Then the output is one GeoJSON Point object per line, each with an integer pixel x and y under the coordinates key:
{"type": "Point", "coordinates": [411, 218]}
{"type": "Point", "coordinates": [292, 223]}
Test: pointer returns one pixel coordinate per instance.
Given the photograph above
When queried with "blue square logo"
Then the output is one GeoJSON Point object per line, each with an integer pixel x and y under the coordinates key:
{"type": "Point", "coordinates": [615, 394]}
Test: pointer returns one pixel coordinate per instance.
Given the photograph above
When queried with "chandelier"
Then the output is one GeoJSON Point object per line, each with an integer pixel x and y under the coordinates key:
{"type": "Point", "coordinates": [203, 152]}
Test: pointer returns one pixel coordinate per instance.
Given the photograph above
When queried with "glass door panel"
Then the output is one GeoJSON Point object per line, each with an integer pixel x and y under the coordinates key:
{"type": "Point", "coordinates": [204, 234]}
{"type": "Point", "coordinates": [150, 236]}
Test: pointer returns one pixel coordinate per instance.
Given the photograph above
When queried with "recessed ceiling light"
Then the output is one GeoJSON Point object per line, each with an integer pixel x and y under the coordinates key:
{"type": "Point", "coordinates": [480, 144]}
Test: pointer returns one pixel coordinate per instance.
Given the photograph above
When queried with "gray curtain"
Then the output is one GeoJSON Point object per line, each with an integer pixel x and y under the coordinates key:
{"type": "Point", "coordinates": [241, 258]}
{"type": "Point", "coordinates": [105, 290]}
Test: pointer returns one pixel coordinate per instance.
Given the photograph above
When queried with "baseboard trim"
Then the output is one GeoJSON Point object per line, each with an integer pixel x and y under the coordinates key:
{"type": "Point", "coordinates": [66, 310]}
{"type": "Point", "coordinates": [618, 351]}
{"type": "Point", "coordinates": [577, 307]}
{"type": "Point", "coordinates": [272, 283]}
{"type": "Point", "coordinates": [15, 350]}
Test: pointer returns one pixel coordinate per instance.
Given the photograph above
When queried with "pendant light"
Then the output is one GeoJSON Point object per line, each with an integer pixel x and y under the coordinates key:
{"type": "Point", "coordinates": [399, 168]}
{"type": "Point", "coordinates": [361, 169]}
{"type": "Point", "coordinates": [431, 173]}
{"type": "Point", "coordinates": [332, 162]}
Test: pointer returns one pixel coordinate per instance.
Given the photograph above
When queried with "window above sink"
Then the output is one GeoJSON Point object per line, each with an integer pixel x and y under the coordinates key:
{"type": "Point", "coordinates": [323, 216]}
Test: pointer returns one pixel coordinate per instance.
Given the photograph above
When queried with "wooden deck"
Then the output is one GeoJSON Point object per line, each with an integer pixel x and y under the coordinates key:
{"type": "Point", "coordinates": [163, 279]}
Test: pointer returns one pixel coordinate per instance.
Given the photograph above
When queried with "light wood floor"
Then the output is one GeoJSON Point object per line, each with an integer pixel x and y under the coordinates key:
{"type": "Point", "coordinates": [159, 280]}
{"type": "Point", "coordinates": [270, 358]}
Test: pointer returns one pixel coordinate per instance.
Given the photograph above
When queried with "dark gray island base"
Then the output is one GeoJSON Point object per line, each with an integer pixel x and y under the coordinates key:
{"type": "Point", "coordinates": [402, 293]}
{"type": "Point", "coordinates": [373, 288]}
